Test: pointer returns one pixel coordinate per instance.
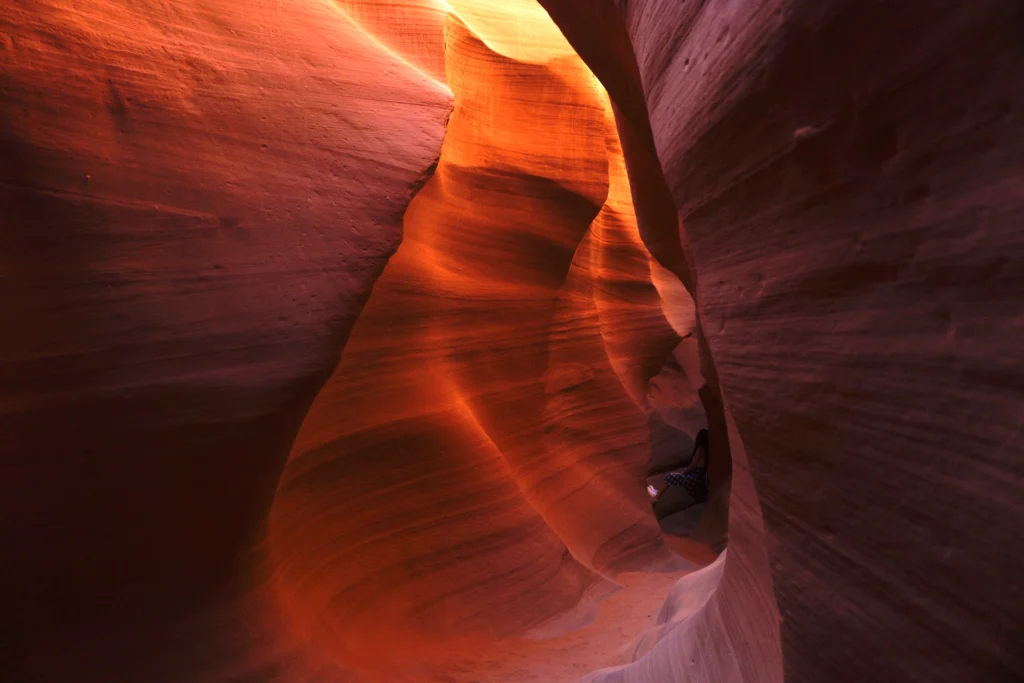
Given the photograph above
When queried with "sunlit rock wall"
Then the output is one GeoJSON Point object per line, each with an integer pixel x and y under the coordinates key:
{"type": "Point", "coordinates": [474, 469]}
{"type": "Point", "coordinates": [198, 198]}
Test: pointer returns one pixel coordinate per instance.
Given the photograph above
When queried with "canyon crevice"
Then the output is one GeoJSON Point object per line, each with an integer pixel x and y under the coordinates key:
{"type": "Point", "coordinates": [342, 338]}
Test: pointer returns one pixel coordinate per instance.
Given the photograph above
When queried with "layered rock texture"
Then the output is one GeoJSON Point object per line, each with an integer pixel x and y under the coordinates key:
{"type": "Point", "coordinates": [197, 198]}
{"type": "Point", "coordinates": [848, 178]}
{"type": "Point", "coordinates": [341, 335]}
{"type": "Point", "coordinates": [473, 470]}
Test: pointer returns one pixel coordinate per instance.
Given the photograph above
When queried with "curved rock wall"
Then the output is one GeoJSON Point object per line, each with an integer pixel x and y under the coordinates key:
{"type": "Point", "coordinates": [197, 198]}
{"type": "Point", "coordinates": [473, 470]}
{"type": "Point", "coordinates": [848, 177]}
{"type": "Point", "coordinates": [202, 195]}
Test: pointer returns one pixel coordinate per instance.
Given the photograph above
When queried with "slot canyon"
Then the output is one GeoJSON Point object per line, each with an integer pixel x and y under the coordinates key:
{"type": "Point", "coordinates": [365, 341]}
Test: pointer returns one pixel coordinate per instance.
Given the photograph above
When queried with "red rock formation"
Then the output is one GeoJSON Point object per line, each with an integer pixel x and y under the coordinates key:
{"type": "Point", "coordinates": [198, 196]}
{"type": "Point", "coordinates": [196, 199]}
{"type": "Point", "coordinates": [475, 464]}
{"type": "Point", "coordinates": [849, 181]}
{"type": "Point", "coordinates": [474, 468]}
{"type": "Point", "coordinates": [413, 30]}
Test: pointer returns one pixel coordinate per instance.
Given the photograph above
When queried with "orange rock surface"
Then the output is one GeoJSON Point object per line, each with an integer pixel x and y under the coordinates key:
{"type": "Point", "coordinates": [495, 414]}
{"type": "Point", "coordinates": [229, 180]}
{"type": "Point", "coordinates": [340, 336]}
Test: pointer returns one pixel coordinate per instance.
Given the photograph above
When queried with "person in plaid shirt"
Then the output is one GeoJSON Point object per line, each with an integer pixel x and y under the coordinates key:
{"type": "Point", "coordinates": [694, 477]}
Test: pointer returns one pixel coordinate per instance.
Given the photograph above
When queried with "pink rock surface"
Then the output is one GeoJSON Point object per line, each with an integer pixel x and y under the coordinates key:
{"type": "Point", "coordinates": [849, 181]}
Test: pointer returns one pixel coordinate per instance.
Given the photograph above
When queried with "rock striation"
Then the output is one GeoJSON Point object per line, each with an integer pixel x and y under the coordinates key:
{"type": "Point", "coordinates": [848, 183]}
{"type": "Point", "coordinates": [340, 338]}
{"type": "Point", "coordinates": [200, 197]}
{"type": "Point", "coordinates": [197, 198]}
{"type": "Point", "coordinates": [473, 470]}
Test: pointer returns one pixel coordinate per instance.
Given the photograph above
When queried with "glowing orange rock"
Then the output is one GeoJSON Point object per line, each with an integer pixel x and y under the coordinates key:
{"type": "Point", "coordinates": [476, 461]}
{"type": "Point", "coordinates": [197, 196]}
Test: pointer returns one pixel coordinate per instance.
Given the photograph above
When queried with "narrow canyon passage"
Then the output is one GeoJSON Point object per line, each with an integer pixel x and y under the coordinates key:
{"type": "Point", "coordinates": [492, 399]}
{"type": "Point", "coordinates": [342, 339]}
